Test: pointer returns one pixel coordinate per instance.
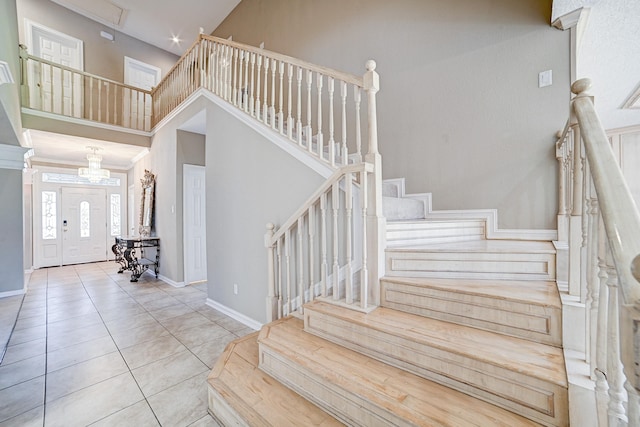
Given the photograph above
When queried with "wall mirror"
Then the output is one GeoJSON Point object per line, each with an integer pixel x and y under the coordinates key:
{"type": "Point", "coordinates": [146, 205]}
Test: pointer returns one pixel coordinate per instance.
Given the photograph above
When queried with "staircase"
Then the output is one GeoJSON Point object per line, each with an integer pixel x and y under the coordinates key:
{"type": "Point", "coordinates": [468, 333]}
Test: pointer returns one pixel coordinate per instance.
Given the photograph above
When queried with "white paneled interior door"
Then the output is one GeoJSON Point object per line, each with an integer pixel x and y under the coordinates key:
{"type": "Point", "coordinates": [195, 227]}
{"type": "Point", "coordinates": [84, 225]}
{"type": "Point", "coordinates": [137, 109]}
{"type": "Point", "coordinates": [59, 92]}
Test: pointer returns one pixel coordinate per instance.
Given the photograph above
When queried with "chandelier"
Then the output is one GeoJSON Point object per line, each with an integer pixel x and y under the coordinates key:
{"type": "Point", "coordinates": [94, 173]}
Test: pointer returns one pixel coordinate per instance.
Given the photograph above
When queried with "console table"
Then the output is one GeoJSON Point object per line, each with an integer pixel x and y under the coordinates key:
{"type": "Point", "coordinates": [130, 254]}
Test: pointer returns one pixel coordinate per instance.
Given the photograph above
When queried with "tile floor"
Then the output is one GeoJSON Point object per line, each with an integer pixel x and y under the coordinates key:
{"type": "Point", "coordinates": [91, 348]}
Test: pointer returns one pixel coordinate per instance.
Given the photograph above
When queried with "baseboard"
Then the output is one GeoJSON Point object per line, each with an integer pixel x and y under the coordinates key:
{"type": "Point", "coordinates": [169, 281]}
{"type": "Point", "coordinates": [236, 315]}
{"type": "Point", "coordinates": [13, 293]}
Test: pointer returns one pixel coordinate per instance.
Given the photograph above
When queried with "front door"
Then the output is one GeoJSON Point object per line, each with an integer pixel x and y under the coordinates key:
{"type": "Point", "coordinates": [84, 225]}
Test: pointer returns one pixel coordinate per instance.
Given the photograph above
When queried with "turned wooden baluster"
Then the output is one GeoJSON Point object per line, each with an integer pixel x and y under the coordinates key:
{"type": "Point", "coordinates": [343, 97]}
{"type": "Point", "coordinates": [593, 288]}
{"type": "Point", "coordinates": [348, 205]}
{"type": "Point", "coordinates": [287, 269]}
{"type": "Point", "coordinates": [599, 374]}
{"type": "Point", "coordinates": [265, 106]}
{"type": "Point", "coordinates": [280, 99]}
{"type": "Point", "coordinates": [364, 272]}
{"type": "Point", "coordinates": [615, 376]}
{"type": "Point", "coordinates": [289, 118]}
{"type": "Point", "coordinates": [241, 55]}
{"type": "Point", "coordinates": [279, 273]}
{"type": "Point", "coordinates": [245, 89]}
{"type": "Point", "coordinates": [300, 267]}
{"type": "Point", "coordinates": [332, 146]}
{"type": "Point", "coordinates": [357, 97]}
{"type": "Point", "coordinates": [319, 136]}
{"type": "Point", "coordinates": [308, 127]}
{"type": "Point", "coordinates": [335, 205]}
{"type": "Point", "coordinates": [272, 107]}
{"type": "Point", "coordinates": [312, 232]}
{"type": "Point", "coordinates": [323, 242]}
{"type": "Point", "coordinates": [299, 107]}
{"type": "Point", "coordinates": [257, 107]}
{"type": "Point", "coordinates": [234, 95]}
{"type": "Point", "coordinates": [252, 91]}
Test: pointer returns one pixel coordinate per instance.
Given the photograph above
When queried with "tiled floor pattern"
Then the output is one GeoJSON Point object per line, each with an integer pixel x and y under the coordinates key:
{"type": "Point", "coordinates": [91, 348]}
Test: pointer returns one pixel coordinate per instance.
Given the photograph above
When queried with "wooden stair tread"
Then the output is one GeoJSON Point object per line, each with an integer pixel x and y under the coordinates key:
{"type": "Point", "coordinates": [539, 292]}
{"type": "Point", "coordinates": [489, 246]}
{"type": "Point", "coordinates": [516, 354]}
{"type": "Point", "coordinates": [256, 397]}
{"type": "Point", "coordinates": [419, 401]}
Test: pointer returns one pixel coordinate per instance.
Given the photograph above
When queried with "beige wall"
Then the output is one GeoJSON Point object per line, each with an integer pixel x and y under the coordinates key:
{"type": "Point", "coordinates": [101, 57]}
{"type": "Point", "coordinates": [460, 113]}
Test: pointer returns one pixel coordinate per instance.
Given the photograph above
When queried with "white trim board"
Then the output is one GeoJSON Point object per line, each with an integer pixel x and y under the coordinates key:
{"type": "Point", "coordinates": [12, 156]}
{"type": "Point", "coordinates": [13, 293]}
{"type": "Point", "coordinates": [236, 315]}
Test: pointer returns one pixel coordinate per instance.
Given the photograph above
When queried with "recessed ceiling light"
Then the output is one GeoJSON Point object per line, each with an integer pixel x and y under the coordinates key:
{"type": "Point", "coordinates": [175, 39]}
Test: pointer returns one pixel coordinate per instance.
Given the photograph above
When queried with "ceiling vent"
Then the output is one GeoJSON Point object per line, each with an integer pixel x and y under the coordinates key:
{"type": "Point", "coordinates": [101, 11]}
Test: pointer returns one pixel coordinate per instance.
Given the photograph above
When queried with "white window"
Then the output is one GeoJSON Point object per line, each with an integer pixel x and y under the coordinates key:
{"type": "Point", "coordinates": [49, 226]}
{"type": "Point", "coordinates": [115, 215]}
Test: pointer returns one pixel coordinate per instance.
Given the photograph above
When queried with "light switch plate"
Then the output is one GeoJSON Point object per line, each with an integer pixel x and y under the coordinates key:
{"type": "Point", "coordinates": [545, 78]}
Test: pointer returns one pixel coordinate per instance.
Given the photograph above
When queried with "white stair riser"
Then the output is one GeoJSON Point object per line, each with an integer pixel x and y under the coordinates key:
{"type": "Point", "coordinates": [480, 265]}
{"type": "Point", "coordinates": [433, 233]}
{"type": "Point", "coordinates": [347, 407]}
{"type": "Point", "coordinates": [523, 320]}
{"type": "Point", "coordinates": [531, 397]}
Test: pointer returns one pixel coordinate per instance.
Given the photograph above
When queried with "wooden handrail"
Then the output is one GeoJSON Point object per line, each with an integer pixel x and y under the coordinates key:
{"type": "Point", "coordinates": [176, 65]}
{"type": "Point", "coordinates": [619, 212]}
{"type": "Point", "coordinates": [364, 166]}
{"type": "Point", "coordinates": [84, 73]}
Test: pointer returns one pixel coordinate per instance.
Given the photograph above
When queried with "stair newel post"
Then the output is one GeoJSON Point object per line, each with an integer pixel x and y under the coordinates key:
{"type": "Point", "coordinates": [561, 157]}
{"type": "Point", "coordinates": [599, 372]}
{"type": "Point", "coordinates": [364, 272]}
{"type": "Point", "coordinates": [272, 300]}
{"type": "Point", "coordinates": [376, 221]}
{"type": "Point", "coordinates": [357, 98]}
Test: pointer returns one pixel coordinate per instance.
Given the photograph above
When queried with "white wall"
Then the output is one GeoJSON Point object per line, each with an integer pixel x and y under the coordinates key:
{"type": "Point", "coordinates": [460, 113]}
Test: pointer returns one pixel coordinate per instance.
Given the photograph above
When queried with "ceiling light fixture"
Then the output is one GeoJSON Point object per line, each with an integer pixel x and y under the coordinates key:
{"type": "Point", "coordinates": [175, 39]}
{"type": "Point", "coordinates": [94, 173]}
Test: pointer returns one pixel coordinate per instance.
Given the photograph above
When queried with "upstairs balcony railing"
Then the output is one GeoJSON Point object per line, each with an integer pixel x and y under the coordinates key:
{"type": "Point", "coordinates": [601, 224]}
{"type": "Point", "coordinates": [53, 88]}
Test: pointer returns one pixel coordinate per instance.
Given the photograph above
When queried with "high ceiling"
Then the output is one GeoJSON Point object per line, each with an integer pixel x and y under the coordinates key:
{"type": "Point", "coordinates": [157, 21]}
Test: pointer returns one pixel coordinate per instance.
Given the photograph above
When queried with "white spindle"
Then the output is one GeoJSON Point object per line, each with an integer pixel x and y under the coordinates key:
{"type": "Point", "coordinates": [257, 107]}
{"type": "Point", "coordinates": [615, 376]}
{"type": "Point", "coordinates": [300, 268]}
{"type": "Point", "coordinates": [320, 140]}
{"type": "Point", "coordinates": [252, 91]}
{"type": "Point", "coordinates": [287, 269]}
{"type": "Point", "coordinates": [348, 205]}
{"type": "Point", "coordinates": [289, 118]}
{"type": "Point", "coordinates": [312, 232]}
{"type": "Point", "coordinates": [279, 272]}
{"type": "Point", "coordinates": [272, 107]}
{"type": "Point", "coordinates": [241, 55]}
{"type": "Point", "coordinates": [332, 146]}
{"type": "Point", "coordinates": [308, 128]}
{"type": "Point", "coordinates": [599, 373]}
{"type": "Point", "coordinates": [343, 97]}
{"type": "Point", "coordinates": [245, 89]}
{"type": "Point", "coordinates": [271, 293]}
{"type": "Point", "coordinates": [299, 107]}
{"type": "Point", "coordinates": [323, 240]}
{"type": "Point", "coordinates": [357, 96]}
{"type": "Point", "coordinates": [335, 205]}
{"type": "Point", "coordinates": [280, 100]}
{"type": "Point", "coordinates": [234, 83]}
{"type": "Point", "coordinates": [265, 107]}
{"type": "Point", "coordinates": [364, 273]}
{"type": "Point", "coordinates": [90, 98]}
